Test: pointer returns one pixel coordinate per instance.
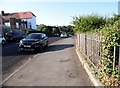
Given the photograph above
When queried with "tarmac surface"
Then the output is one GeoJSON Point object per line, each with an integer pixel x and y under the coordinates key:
{"type": "Point", "coordinates": [58, 65]}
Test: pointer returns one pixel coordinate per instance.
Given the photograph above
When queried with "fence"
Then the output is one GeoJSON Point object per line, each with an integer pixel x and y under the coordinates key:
{"type": "Point", "coordinates": [116, 61]}
{"type": "Point", "coordinates": [90, 46]}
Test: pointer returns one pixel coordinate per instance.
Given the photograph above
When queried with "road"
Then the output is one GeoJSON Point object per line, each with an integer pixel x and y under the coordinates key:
{"type": "Point", "coordinates": [58, 65]}
{"type": "Point", "coordinates": [12, 58]}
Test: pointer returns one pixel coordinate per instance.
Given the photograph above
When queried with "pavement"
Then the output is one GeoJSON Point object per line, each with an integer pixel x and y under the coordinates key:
{"type": "Point", "coordinates": [89, 71]}
{"type": "Point", "coordinates": [13, 58]}
{"type": "Point", "coordinates": [58, 65]}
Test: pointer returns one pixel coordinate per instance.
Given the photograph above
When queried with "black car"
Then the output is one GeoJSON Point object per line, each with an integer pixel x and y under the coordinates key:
{"type": "Point", "coordinates": [14, 36]}
{"type": "Point", "coordinates": [34, 41]}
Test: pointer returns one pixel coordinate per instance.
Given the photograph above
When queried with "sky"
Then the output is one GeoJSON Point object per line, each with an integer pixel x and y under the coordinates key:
{"type": "Point", "coordinates": [60, 12]}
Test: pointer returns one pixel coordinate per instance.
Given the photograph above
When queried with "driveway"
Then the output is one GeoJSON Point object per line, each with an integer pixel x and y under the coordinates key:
{"type": "Point", "coordinates": [58, 65]}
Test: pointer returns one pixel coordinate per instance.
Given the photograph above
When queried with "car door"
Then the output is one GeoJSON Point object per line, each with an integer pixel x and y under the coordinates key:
{"type": "Point", "coordinates": [44, 39]}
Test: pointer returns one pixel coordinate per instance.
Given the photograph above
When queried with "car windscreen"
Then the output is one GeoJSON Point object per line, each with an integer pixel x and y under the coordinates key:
{"type": "Point", "coordinates": [34, 36]}
{"type": "Point", "coordinates": [16, 34]}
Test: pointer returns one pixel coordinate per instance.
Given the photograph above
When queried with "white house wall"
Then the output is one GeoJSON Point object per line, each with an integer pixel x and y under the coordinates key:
{"type": "Point", "coordinates": [31, 21]}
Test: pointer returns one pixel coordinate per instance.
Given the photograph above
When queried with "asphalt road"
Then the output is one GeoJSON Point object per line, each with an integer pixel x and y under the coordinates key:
{"type": "Point", "coordinates": [12, 58]}
{"type": "Point", "coordinates": [58, 65]}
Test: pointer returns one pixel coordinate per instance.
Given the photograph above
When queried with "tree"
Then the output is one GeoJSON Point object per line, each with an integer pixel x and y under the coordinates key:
{"type": "Point", "coordinates": [40, 27]}
{"type": "Point", "coordinates": [88, 23]}
{"type": "Point", "coordinates": [56, 31]}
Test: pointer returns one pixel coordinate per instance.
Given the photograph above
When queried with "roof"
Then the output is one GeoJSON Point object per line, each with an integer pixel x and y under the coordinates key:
{"type": "Point", "coordinates": [25, 15]}
{"type": "Point", "coordinates": [11, 15]}
{"type": "Point", "coordinates": [19, 15]}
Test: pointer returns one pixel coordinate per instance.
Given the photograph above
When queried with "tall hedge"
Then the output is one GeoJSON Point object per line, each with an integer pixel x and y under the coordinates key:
{"type": "Point", "coordinates": [88, 23]}
{"type": "Point", "coordinates": [109, 30]}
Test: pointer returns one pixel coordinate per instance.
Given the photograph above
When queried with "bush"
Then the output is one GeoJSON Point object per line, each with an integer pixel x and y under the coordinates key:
{"type": "Point", "coordinates": [88, 23]}
{"type": "Point", "coordinates": [109, 30]}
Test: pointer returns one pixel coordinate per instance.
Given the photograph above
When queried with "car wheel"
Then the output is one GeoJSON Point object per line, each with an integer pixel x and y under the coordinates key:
{"type": "Point", "coordinates": [46, 45]}
{"type": "Point", "coordinates": [40, 49]}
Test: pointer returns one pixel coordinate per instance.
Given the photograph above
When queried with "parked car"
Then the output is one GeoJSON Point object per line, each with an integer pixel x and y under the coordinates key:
{"type": "Point", "coordinates": [64, 35]}
{"type": "Point", "coordinates": [2, 40]}
{"type": "Point", "coordinates": [56, 35]}
{"type": "Point", "coordinates": [34, 41]}
{"type": "Point", "coordinates": [14, 36]}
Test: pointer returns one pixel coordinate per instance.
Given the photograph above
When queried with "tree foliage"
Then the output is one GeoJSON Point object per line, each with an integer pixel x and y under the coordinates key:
{"type": "Point", "coordinates": [54, 30]}
{"type": "Point", "coordinates": [41, 27]}
{"type": "Point", "coordinates": [88, 23]}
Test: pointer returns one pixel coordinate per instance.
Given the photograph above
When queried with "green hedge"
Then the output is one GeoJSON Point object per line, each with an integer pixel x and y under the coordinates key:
{"type": "Point", "coordinates": [88, 23]}
{"type": "Point", "coordinates": [110, 33]}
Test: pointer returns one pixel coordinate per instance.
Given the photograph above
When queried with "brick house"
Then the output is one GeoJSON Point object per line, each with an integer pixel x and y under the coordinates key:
{"type": "Point", "coordinates": [18, 20]}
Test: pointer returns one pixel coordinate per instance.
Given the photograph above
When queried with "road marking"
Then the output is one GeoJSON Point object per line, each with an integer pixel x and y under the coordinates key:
{"type": "Point", "coordinates": [16, 71]}
{"type": "Point", "coordinates": [36, 55]}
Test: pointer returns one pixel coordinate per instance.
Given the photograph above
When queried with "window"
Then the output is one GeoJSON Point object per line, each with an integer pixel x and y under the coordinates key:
{"type": "Point", "coordinates": [34, 36]}
{"type": "Point", "coordinates": [7, 24]}
{"type": "Point", "coordinates": [30, 25]}
{"type": "Point", "coordinates": [17, 25]}
{"type": "Point", "coordinates": [43, 35]}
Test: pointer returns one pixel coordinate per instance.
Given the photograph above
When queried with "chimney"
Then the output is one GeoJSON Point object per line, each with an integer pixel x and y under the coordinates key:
{"type": "Point", "coordinates": [2, 12]}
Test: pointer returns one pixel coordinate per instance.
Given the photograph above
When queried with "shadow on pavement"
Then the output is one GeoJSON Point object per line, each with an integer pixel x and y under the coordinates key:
{"type": "Point", "coordinates": [58, 47]}
{"type": "Point", "coordinates": [16, 52]}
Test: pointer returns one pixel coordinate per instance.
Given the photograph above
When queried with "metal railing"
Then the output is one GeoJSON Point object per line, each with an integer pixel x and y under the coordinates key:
{"type": "Point", "coordinates": [116, 60]}
{"type": "Point", "coordinates": [89, 45]}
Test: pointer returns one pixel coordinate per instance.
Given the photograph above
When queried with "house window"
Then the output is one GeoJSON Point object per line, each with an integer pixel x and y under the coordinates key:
{"type": "Point", "coordinates": [17, 25]}
{"type": "Point", "coordinates": [7, 24]}
{"type": "Point", "coordinates": [30, 25]}
{"type": "Point", "coordinates": [24, 25]}
{"type": "Point", "coordinates": [21, 25]}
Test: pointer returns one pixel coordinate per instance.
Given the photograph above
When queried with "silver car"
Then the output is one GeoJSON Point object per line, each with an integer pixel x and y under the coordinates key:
{"type": "Point", "coordinates": [64, 35]}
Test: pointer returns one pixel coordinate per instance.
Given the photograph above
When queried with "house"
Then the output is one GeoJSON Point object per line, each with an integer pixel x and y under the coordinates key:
{"type": "Point", "coordinates": [19, 20]}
